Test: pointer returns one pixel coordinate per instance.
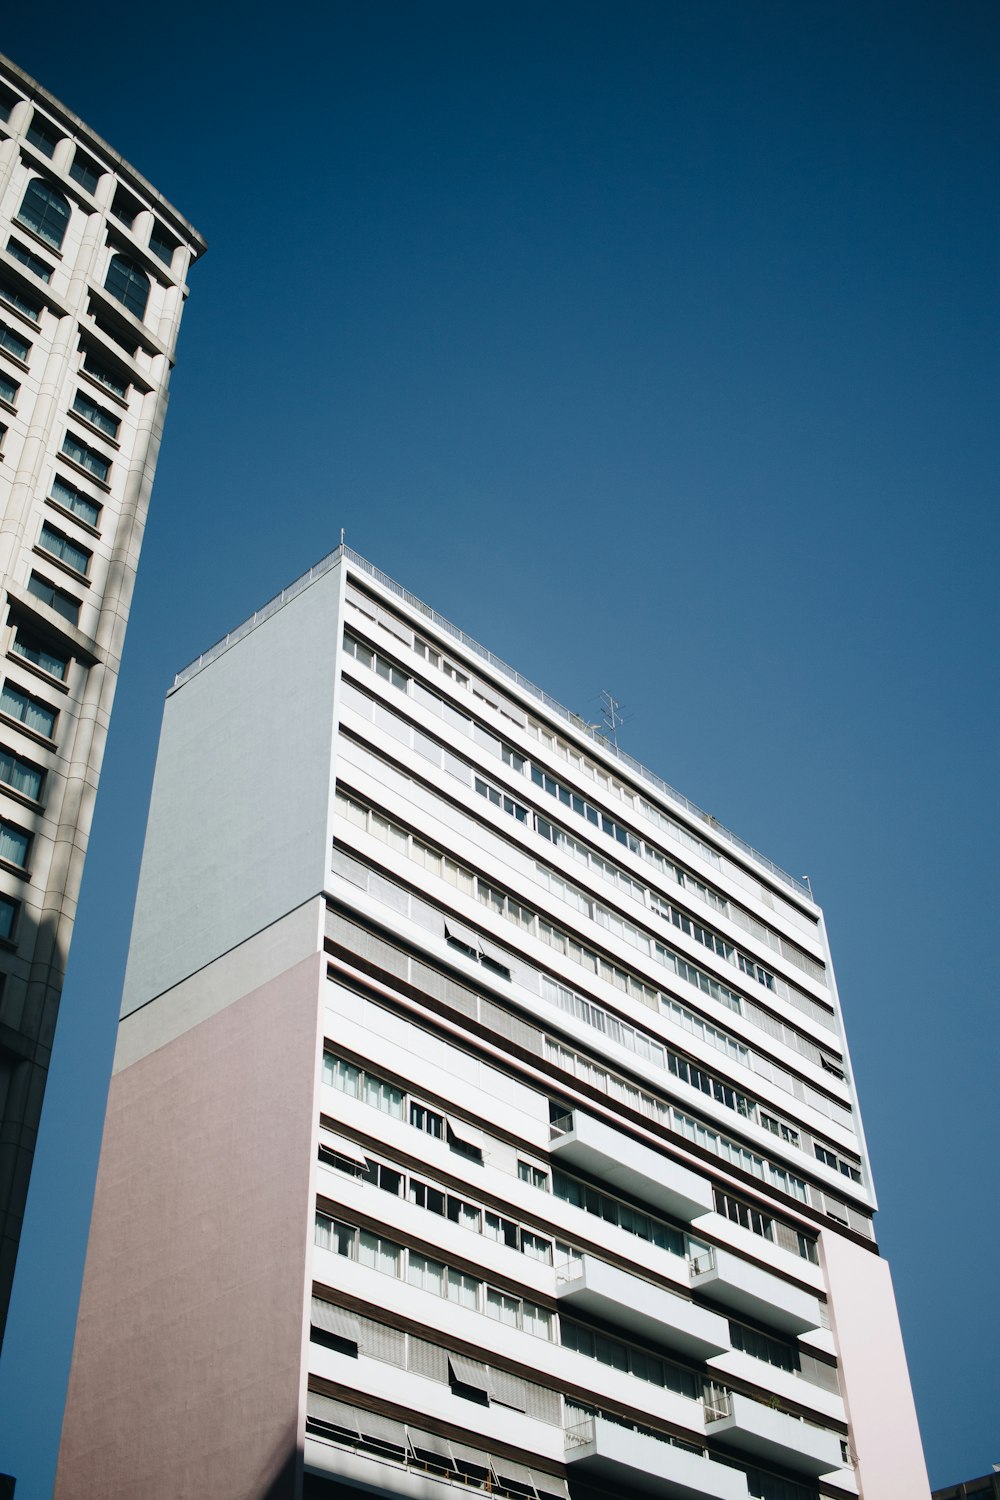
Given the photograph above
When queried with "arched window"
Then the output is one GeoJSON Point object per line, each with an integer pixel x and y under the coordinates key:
{"type": "Point", "coordinates": [128, 284]}
{"type": "Point", "coordinates": [45, 211]}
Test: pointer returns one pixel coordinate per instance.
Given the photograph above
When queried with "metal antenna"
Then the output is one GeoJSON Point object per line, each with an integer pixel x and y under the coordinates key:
{"type": "Point", "coordinates": [611, 713]}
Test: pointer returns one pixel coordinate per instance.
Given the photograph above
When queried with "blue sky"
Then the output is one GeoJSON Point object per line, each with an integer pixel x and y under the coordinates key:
{"type": "Point", "coordinates": [655, 344]}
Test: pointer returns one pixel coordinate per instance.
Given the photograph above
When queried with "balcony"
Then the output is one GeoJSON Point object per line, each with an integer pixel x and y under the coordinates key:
{"type": "Point", "coordinates": [747, 1289]}
{"type": "Point", "coordinates": [635, 1460]}
{"type": "Point", "coordinates": [623, 1163]}
{"type": "Point", "coordinates": [773, 1436]}
{"type": "Point", "coordinates": [631, 1304]}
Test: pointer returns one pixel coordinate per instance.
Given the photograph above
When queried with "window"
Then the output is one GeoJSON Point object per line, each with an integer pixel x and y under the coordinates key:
{"type": "Point", "coordinates": [86, 172]}
{"type": "Point", "coordinates": [45, 211]}
{"type": "Point", "coordinates": [98, 416]}
{"type": "Point", "coordinates": [64, 604]}
{"type": "Point", "coordinates": [128, 285]}
{"type": "Point", "coordinates": [88, 458]}
{"type": "Point", "coordinates": [43, 135]}
{"type": "Point", "coordinates": [427, 1120]}
{"type": "Point", "coordinates": [162, 245]}
{"type": "Point", "coordinates": [27, 258]}
{"type": "Point", "coordinates": [67, 551]}
{"type": "Point", "coordinates": [20, 775]}
{"type": "Point", "coordinates": [72, 499]}
{"type": "Point", "coordinates": [107, 376]}
{"type": "Point", "coordinates": [29, 307]}
{"type": "Point", "coordinates": [14, 343]}
{"type": "Point", "coordinates": [28, 711]}
{"type": "Point", "coordinates": [14, 844]}
{"type": "Point", "coordinates": [32, 649]}
{"type": "Point", "coordinates": [124, 207]}
{"type": "Point", "coordinates": [528, 1172]}
{"type": "Point", "coordinates": [7, 101]}
{"type": "Point", "coordinates": [8, 389]}
{"type": "Point", "coordinates": [8, 917]}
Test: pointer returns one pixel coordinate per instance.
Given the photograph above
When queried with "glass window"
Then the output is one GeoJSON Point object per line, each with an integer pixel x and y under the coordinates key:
{"type": "Point", "coordinates": [463, 1289]}
{"type": "Point", "coordinates": [14, 343]}
{"type": "Point", "coordinates": [88, 458]}
{"type": "Point", "coordinates": [98, 416]}
{"type": "Point", "coordinates": [68, 551]}
{"type": "Point", "coordinates": [537, 1320]}
{"type": "Point", "coordinates": [425, 1274]}
{"type": "Point", "coordinates": [12, 294]}
{"type": "Point", "coordinates": [128, 285]}
{"type": "Point", "coordinates": [108, 377]}
{"type": "Point", "coordinates": [528, 1172]}
{"type": "Point", "coordinates": [64, 604]}
{"type": "Point", "coordinates": [27, 258]}
{"type": "Point", "coordinates": [162, 245]}
{"type": "Point", "coordinates": [427, 1120]}
{"type": "Point", "coordinates": [124, 207]}
{"type": "Point", "coordinates": [8, 916]}
{"type": "Point", "coordinates": [43, 135]}
{"type": "Point", "coordinates": [14, 844]}
{"type": "Point", "coordinates": [72, 499]}
{"type": "Point", "coordinates": [383, 1096]}
{"type": "Point", "coordinates": [380, 1254]}
{"type": "Point", "coordinates": [32, 649]}
{"type": "Point", "coordinates": [20, 775]}
{"type": "Point", "coordinates": [342, 1075]}
{"type": "Point", "coordinates": [45, 211]}
{"type": "Point", "coordinates": [27, 710]}
{"type": "Point", "coordinates": [503, 1308]}
{"type": "Point", "coordinates": [332, 1235]}
{"type": "Point", "coordinates": [86, 172]}
{"type": "Point", "coordinates": [8, 389]}
{"type": "Point", "coordinates": [7, 101]}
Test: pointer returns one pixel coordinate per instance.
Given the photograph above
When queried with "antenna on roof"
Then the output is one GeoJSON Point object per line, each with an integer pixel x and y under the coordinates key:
{"type": "Point", "coordinates": [612, 716]}
{"type": "Point", "coordinates": [341, 536]}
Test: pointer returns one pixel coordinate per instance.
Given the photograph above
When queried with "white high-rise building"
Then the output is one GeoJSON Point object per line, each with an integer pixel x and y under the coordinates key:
{"type": "Point", "coordinates": [93, 263]}
{"type": "Point", "coordinates": [481, 1116]}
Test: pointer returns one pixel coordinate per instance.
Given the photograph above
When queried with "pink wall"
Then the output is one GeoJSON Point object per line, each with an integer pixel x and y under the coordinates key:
{"type": "Point", "coordinates": [186, 1369]}
{"type": "Point", "coordinates": [883, 1420]}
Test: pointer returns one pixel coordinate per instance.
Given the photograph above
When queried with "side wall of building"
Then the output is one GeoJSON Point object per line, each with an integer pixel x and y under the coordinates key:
{"type": "Point", "coordinates": [879, 1400]}
{"type": "Point", "coordinates": [186, 1371]}
{"type": "Point", "coordinates": [241, 816]}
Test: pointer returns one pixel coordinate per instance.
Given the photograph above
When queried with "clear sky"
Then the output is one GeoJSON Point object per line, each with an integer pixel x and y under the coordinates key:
{"type": "Point", "coordinates": [655, 343]}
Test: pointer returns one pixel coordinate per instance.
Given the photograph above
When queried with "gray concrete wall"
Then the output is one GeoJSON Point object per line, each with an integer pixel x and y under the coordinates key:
{"type": "Point", "coordinates": [241, 818]}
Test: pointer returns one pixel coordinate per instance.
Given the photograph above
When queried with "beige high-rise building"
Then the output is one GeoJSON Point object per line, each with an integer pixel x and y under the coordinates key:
{"type": "Point", "coordinates": [482, 1118]}
{"type": "Point", "coordinates": [93, 268]}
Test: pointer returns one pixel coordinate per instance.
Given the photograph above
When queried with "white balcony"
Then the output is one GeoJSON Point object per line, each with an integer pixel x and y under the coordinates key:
{"type": "Point", "coordinates": [629, 1303]}
{"type": "Point", "coordinates": [621, 1162]}
{"type": "Point", "coordinates": [633, 1460]}
{"type": "Point", "coordinates": [773, 1436]}
{"type": "Point", "coordinates": [747, 1289]}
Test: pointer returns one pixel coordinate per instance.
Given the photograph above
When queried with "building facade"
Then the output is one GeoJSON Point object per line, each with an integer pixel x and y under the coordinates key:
{"type": "Point", "coordinates": [93, 266]}
{"type": "Point", "coordinates": [481, 1115]}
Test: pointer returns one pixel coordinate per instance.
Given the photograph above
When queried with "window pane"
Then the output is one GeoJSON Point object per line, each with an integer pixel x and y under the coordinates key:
{"type": "Point", "coordinates": [98, 416]}
{"type": "Point", "coordinates": [69, 552]}
{"type": "Point", "coordinates": [85, 172]}
{"type": "Point", "coordinates": [88, 458]}
{"type": "Point", "coordinates": [14, 343]}
{"type": "Point", "coordinates": [8, 912]}
{"type": "Point", "coordinates": [70, 498]}
{"type": "Point", "coordinates": [27, 711]}
{"type": "Point", "coordinates": [128, 285]}
{"type": "Point", "coordinates": [45, 211]}
{"type": "Point", "coordinates": [14, 844]}
{"type": "Point", "coordinates": [19, 775]}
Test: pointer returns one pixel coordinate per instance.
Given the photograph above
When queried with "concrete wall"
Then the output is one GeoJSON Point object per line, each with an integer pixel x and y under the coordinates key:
{"type": "Point", "coordinates": [240, 821]}
{"type": "Point", "coordinates": [186, 1378]}
{"type": "Point", "coordinates": [884, 1434]}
